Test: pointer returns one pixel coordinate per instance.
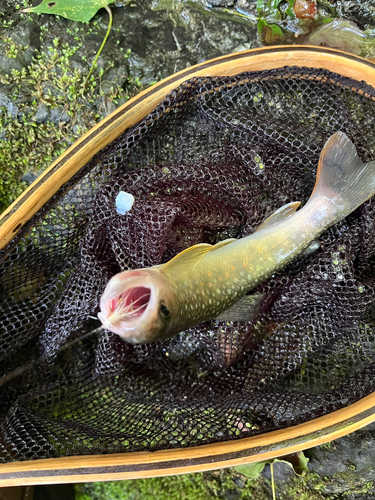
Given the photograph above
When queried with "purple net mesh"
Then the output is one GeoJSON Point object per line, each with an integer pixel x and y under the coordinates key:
{"type": "Point", "coordinates": [213, 160]}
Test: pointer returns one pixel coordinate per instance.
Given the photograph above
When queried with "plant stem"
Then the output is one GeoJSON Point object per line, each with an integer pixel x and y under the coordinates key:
{"type": "Point", "coordinates": [102, 45]}
{"type": "Point", "coordinates": [273, 483]}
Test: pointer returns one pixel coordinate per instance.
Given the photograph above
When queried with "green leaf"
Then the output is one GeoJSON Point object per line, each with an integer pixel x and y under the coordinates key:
{"type": "Point", "coordinates": [297, 462]}
{"type": "Point", "coordinates": [82, 10]}
{"type": "Point", "coordinates": [251, 471]}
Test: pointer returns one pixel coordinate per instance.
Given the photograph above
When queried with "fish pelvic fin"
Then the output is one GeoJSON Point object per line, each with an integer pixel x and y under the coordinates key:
{"type": "Point", "coordinates": [280, 215]}
{"type": "Point", "coordinates": [185, 261]}
{"type": "Point", "coordinates": [343, 180]}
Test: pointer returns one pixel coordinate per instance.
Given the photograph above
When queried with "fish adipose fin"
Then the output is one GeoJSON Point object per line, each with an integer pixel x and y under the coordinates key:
{"type": "Point", "coordinates": [186, 260]}
{"type": "Point", "coordinates": [280, 215]}
{"type": "Point", "coordinates": [246, 309]}
{"type": "Point", "coordinates": [342, 178]}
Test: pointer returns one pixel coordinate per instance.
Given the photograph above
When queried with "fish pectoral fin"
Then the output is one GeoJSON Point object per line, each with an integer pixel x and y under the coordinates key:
{"type": "Point", "coordinates": [280, 215]}
{"type": "Point", "coordinates": [246, 309]}
{"type": "Point", "coordinates": [186, 260]}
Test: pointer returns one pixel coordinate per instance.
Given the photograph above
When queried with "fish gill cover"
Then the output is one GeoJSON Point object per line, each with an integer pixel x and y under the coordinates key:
{"type": "Point", "coordinates": [212, 161]}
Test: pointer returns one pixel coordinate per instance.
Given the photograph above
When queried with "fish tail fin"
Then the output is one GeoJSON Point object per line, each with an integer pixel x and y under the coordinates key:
{"type": "Point", "coordinates": [343, 180]}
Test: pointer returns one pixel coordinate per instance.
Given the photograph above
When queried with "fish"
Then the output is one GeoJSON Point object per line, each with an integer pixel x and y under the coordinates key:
{"type": "Point", "coordinates": [206, 281]}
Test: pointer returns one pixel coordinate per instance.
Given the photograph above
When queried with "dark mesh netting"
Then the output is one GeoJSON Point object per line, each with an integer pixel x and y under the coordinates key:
{"type": "Point", "coordinates": [213, 160]}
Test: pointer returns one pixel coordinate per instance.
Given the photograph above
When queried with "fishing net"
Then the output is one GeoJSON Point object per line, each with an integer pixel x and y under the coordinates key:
{"type": "Point", "coordinates": [212, 161]}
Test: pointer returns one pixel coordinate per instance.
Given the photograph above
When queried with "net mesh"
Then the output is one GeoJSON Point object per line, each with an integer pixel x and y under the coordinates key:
{"type": "Point", "coordinates": [212, 161]}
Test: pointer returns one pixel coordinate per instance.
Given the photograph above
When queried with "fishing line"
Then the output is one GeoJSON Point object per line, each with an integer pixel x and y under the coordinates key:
{"type": "Point", "coordinates": [22, 369]}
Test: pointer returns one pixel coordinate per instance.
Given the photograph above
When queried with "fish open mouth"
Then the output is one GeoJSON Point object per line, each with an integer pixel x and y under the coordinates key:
{"type": "Point", "coordinates": [131, 303]}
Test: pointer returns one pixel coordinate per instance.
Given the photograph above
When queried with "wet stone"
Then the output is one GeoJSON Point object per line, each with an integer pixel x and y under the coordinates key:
{"type": "Point", "coordinates": [29, 178]}
{"type": "Point", "coordinates": [17, 47]}
{"type": "Point", "coordinates": [222, 3]}
{"type": "Point", "coordinates": [10, 108]}
{"type": "Point", "coordinates": [115, 76]}
{"type": "Point", "coordinates": [346, 464]}
{"type": "Point", "coordinates": [41, 114]}
{"type": "Point", "coordinates": [51, 90]}
{"type": "Point", "coordinates": [363, 13]}
{"type": "Point", "coordinates": [58, 116]}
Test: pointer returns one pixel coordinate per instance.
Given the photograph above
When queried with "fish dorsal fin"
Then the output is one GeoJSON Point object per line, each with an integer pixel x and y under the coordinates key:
{"type": "Point", "coordinates": [280, 215]}
{"type": "Point", "coordinates": [186, 260]}
{"type": "Point", "coordinates": [223, 243]}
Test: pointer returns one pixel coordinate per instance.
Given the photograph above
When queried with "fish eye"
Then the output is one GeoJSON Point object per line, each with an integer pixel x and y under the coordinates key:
{"type": "Point", "coordinates": [164, 310]}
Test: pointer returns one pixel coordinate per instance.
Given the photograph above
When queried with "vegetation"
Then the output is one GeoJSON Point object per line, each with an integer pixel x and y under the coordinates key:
{"type": "Point", "coordinates": [52, 104]}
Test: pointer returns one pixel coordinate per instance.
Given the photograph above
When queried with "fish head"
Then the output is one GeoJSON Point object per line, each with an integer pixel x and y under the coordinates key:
{"type": "Point", "coordinates": [138, 306]}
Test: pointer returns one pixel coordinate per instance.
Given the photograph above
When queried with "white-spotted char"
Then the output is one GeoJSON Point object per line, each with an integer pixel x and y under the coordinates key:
{"type": "Point", "coordinates": [206, 281]}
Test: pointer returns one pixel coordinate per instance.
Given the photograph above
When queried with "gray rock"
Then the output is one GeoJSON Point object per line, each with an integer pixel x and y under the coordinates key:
{"type": "Point", "coordinates": [116, 76]}
{"type": "Point", "coordinates": [222, 3]}
{"type": "Point", "coordinates": [42, 113]}
{"type": "Point", "coordinates": [51, 90]}
{"type": "Point", "coordinates": [29, 177]}
{"type": "Point", "coordinates": [17, 47]}
{"type": "Point", "coordinates": [24, 115]}
{"type": "Point", "coordinates": [10, 106]}
{"type": "Point", "coordinates": [76, 130]}
{"type": "Point", "coordinates": [247, 5]}
{"type": "Point", "coordinates": [282, 472]}
{"type": "Point", "coordinates": [111, 106]}
{"type": "Point", "coordinates": [57, 116]}
{"type": "Point", "coordinates": [107, 87]}
{"type": "Point", "coordinates": [7, 64]}
{"type": "Point", "coordinates": [363, 13]}
{"type": "Point", "coordinates": [347, 465]}
{"type": "Point", "coordinates": [78, 64]}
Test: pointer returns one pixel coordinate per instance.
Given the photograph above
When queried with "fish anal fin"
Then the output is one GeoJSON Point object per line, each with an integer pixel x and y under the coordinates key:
{"type": "Point", "coordinates": [186, 260]}
{"type": "Point", "coordinates": [246, 309]}
{"type": "Point", "coordinates": [280, 215]}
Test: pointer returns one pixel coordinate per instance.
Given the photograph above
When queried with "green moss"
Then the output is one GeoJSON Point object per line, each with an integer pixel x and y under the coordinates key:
{"type": "Point", "coordinates": [52, 82]}
{"type": "Point", "coordinates": [183, 487]}
{"type": "Point", "coordinates": [221, 484]}
{"type": "Point", "coordinates": [327, 446]}
{"type": "Point", "coordinates": [307, 487]}
{"type": "Point", "coordinates": [353, 482]}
